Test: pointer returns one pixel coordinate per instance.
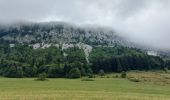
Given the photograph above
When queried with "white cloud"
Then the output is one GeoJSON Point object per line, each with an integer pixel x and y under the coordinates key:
{"type": "Point", "coordinates": [143, 21]}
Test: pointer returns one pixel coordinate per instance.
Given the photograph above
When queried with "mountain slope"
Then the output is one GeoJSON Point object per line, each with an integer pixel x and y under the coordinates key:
{"type": "Point", "coordinates": [58, 33]}
{"type": "Point", "coordinates": [27, 50]}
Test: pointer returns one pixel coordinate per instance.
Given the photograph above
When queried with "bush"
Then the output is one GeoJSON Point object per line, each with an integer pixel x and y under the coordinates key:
{"type": "Point", "coordinates": [82, 71]}
{"type": "Point", "coordinates": [91, 76]}
{"type": "Point", "coordinates": [90, 73]}
{"type": "Point", "coordinates": [166, 70]}
{"type": "Point", "coordinates": [87, 79]}
{"type": "Point", "coordinates": [108, 77]}
{"type": "Point", "coordinates": [42, 77]}
{"type": "Point", "coordinates": [74, 73]}
{"type": "Point", "coordinates": [117, 76]}
{"type": "Point", "coordinates": [101, 72]}
{"type": "Point", "coordinates": [134, 79]}
{"type": "Point", "coordinates": [14, 72]}
{"type": "Point", "coordinates": [123, 75]}
{"type": "Point", "coordinates": [55, 72]}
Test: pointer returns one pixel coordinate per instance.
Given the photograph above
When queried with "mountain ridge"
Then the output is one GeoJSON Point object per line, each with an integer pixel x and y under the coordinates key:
{"type": "Point", "coordinates": [54, 32]}
{"type": "Point", "coordinates": [62, 32]}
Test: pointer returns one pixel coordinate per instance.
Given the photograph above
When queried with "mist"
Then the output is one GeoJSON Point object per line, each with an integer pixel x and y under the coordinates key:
{"type": "Point", "coordinates": [146, 22]}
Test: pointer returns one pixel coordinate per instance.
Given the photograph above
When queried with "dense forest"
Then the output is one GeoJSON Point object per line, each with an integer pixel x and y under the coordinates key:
{"type": "Point", "coordinates": [24, 61]}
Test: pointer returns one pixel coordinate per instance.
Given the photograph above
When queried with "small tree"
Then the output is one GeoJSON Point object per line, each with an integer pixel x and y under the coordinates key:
{"type": "Point", "coordinates": [101, 72]}
{"type": "Point", "coordinates": [42, 77]}
{"type": "Point", "coordinates": [74, 73]}
{"type": "Point", "coordinates": [119, 67]}
{"type": "Point", "coordinates": [14, 71]}
{"type": "Point", "coordinates": [90, 73]}
{"type": "Point", "coordinates": [83, 72]}
{"type": "Point", "coordinates": [19, 72]}
{"type": "Point", "coordinates": [123, 74]}
{"type": "Point", "coordinates": [166, 70]}
{"type": "Point", "coordinates": [55, 72]}
{"type": "Point", "coordinates": [34, 70]}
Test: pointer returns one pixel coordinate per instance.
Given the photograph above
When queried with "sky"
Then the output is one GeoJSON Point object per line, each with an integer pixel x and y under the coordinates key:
{"type": "Point", "coordinates": [145, 22]}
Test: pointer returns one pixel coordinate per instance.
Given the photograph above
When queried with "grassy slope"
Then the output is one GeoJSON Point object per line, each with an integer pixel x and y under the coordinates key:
{"type": "Point", "coordinates": [67, 89]}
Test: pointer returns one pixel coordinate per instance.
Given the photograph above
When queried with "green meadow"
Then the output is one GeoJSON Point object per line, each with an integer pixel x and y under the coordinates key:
{"type": "Point", "coordinates": [76, 89]}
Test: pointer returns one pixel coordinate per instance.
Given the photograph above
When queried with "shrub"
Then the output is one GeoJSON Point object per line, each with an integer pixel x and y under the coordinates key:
{"type": "Point", "coordinates": [108, 77]}
{"type": "Point", "coordinates": [87, 79]}
{"type": "Point", "coordinates": [83, 72]}
{"type": "Point", "coordinates": [101, 72]}
{"type": "Point", "coordinates": [90, 73]}
{"type": "Point", "coordinates": [91, 76]}
{"type": "Point", "coordinates": [14, 72]}
{"type": "Point", "coordinates": [74, 73]}
{"type": "Point", "coordinates": [134, 79]}
{"type": "Point", "coordinates": [166, 70]}
{"type": "Point", "coordinates": [42, 77]}
{"type": "Point", "coordinates": [55, 72]}
{"type": "Point", "coordinates": [117, 76]}
{"type": "Point", "coordinates": [123, 74]}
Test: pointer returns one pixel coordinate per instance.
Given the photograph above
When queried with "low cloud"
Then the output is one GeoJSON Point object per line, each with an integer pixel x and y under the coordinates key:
{"type": "Point", "coordinates": [143, 21]}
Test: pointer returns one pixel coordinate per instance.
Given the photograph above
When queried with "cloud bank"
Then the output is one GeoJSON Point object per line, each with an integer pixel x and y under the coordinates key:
{"type": "Point", "coordinates": [142, 21]}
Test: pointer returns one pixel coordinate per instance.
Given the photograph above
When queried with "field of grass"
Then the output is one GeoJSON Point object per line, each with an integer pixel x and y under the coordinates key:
{"type": "Point", "coordinates": [75, 89]}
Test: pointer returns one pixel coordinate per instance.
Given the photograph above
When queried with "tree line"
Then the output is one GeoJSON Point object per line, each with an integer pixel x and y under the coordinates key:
{"type": "Point", "coordinates": [24, 61]}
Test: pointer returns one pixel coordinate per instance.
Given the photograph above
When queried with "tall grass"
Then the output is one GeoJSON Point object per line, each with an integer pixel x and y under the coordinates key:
{"type": "Point", "coordinates": [76, 89]}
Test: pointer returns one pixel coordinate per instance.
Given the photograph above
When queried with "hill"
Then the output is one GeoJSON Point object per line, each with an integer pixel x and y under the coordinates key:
{"type": "Point", "coordinates": [27, 50]}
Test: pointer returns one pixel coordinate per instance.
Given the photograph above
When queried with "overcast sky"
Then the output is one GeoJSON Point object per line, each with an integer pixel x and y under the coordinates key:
{"type": "Point", "coordinates": [143, 21]}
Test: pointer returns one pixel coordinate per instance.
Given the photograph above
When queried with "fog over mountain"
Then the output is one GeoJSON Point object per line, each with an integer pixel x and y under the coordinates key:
{"type": "Point", "coordinates": [142, 21]}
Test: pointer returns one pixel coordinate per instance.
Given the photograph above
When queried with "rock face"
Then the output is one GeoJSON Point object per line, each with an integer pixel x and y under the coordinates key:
{"type": "Point", "coordinates": [64, 35]}
{"type": "Point", "coordinates": [152, 53]}
{"type": "Point", "coordinates": [44, 35]}
{"type": "Point", "coordinates": [86, 48]}
{"type": "Point", "coordinates": [59, 33]}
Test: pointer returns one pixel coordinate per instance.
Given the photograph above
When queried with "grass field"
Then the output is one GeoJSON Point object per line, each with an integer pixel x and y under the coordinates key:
{"type": "Point", "coordinates": [75, 89]}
